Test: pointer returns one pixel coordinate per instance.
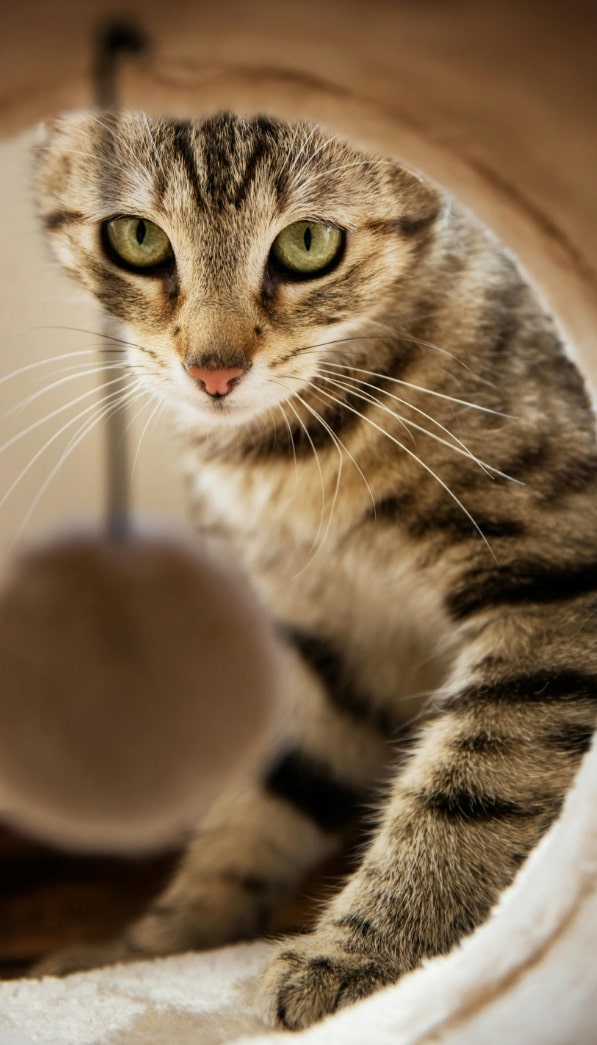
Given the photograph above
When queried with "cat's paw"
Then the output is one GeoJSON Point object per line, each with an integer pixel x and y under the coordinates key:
{"type": "Point", "coordinates": [82, 957]}
{"type": "Point", "coordinates": [311, 976]}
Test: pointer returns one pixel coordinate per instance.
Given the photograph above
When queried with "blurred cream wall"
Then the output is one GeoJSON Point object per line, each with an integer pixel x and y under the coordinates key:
{"type": "Point", "coordinates": [38, 305]}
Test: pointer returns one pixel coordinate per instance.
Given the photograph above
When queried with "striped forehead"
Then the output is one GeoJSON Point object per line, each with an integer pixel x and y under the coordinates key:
{"type": "Point", "coordinates": [212, 166]}
{"type": "Point", "coordinates": [240, 171]}
{"type": "Point", "coordinates": [219, 167]}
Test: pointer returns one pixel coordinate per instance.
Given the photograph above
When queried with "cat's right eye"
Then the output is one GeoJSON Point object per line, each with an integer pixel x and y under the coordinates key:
{"type": "Point", "coordinates": [137, 243]}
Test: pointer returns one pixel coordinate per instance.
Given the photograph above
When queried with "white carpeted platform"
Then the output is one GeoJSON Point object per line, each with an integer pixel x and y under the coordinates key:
{"type": "Point", "coordinates": [528, 976]}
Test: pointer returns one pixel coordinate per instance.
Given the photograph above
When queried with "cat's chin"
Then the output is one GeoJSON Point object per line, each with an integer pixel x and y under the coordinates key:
{"type": "Point", "coordinates": [217, 415]}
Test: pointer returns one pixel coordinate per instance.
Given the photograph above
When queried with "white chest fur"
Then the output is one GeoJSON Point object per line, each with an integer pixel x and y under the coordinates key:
{"type": "Point", "coordinates": [300, 539]}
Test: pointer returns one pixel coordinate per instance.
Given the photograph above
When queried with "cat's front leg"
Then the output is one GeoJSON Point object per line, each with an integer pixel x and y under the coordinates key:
{"type": "Point", "coordinates": [261, 837]}
{"type": "Point", "coordinates": [485, 781]}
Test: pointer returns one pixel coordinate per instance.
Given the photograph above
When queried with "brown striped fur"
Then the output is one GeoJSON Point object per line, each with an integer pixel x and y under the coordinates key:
{"type": "Point", "coordinates": [407, 473]}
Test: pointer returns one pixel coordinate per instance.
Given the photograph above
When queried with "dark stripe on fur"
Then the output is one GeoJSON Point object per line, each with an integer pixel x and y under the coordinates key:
{"type": "Point", "coordinates": [572, 738]}
{"type": "Point", "coordinates": [521, 583]}
{"type": "Point", "coordinates": [405, 226]}
{"type": "Point", "coordinates": [309, 785]}
{"type": "Point", "coordinates": [265, 132]}
{"type": "Point", "coordinates": [465, 806]}
{"type": "Point", "coordinates": [326, 661]}
{"type": "Point", "coordinates": [182, 143]}
{"type": "Point", "coordinates": [160, 178]}
{"type": "Point", "coordinates": [244, 184]}
{"type": "Point", "coordinates": [531, 459]}
{"type": "Point", "coordinates": [573, 476]}
{"type": "Point", "coordinates": [503, 308]}
{"type": "Point", "coordinates": [302, 440]}
{"type": "Point", "coordinates": [540, 687]}
{"type": "Point", "coordinates": [358, 925]}
{"type": "Point", "coordinates": [414, 226]}
{"type": "Point", "coordinates": [406, 512]}
{"type": "Point", "coordinates": [483, 744]}
{"type": "Point", "coordinates": [117, 293]}
{"type": "Point", "coordinates": [56, 219]}
{"type": "Point", "coordinates": [538, 466]}
{"type": "Point", "coordinates": [506, 331]}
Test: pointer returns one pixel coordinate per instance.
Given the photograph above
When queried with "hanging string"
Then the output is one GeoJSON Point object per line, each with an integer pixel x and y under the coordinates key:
{"type": "Point", "coordinates": [114, 41]}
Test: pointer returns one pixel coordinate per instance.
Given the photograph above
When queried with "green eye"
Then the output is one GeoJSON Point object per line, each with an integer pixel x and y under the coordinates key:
{"type": "Point", "coordinates": [307, 247]}
{"type": "Point", "coordinates": [138, 242]}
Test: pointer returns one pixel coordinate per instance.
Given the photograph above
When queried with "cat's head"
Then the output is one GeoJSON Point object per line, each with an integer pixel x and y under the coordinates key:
{"type": "Point", "coordinates": [238, 252]}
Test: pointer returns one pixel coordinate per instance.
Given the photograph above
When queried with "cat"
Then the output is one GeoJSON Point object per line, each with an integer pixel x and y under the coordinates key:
{"type": "Point", "coordinates": [386, 435]}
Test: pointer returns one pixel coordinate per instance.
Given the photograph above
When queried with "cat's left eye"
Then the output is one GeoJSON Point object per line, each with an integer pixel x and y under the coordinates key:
{"type": "Point", "coordinates": [138, 243]}
{"type": "Point", "coordinates": [307, 248]}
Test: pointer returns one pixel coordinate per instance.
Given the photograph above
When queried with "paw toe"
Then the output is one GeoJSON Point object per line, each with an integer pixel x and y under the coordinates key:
{"type": "Point", "coordinates": [306, 982]}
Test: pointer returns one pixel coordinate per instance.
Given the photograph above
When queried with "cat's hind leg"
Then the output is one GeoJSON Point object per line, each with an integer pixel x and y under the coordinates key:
{"type": "Point", "coordinates": [261, 837]}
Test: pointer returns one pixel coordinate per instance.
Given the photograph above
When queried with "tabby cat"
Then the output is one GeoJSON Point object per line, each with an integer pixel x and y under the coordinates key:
{"type": "Point", "coordinates": [386, 435]}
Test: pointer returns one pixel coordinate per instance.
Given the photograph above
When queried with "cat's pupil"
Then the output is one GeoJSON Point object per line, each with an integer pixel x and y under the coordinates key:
{"type": "Point", "coordinates": [140, 233]}
{"type": "Point", "coordinates": [307, 238]}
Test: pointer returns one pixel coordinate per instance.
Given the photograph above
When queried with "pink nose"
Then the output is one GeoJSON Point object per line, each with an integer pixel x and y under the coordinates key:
{"type": "Point", "coordinates": [216, 382]}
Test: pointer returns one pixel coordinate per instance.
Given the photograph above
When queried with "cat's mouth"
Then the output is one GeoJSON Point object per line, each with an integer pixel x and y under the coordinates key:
{"type": "Point", "coordinates": [216, 395]}
{"type": "Point", "coordinates": [230, 395]}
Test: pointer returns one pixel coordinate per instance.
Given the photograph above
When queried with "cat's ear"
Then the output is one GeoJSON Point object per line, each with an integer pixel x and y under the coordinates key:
{"type": "Point", "coordinates": [63, 156]}
{"type": "Point", "coordinates": [420, 201]}
{"type": "Point", "coordinates": [62, 129]}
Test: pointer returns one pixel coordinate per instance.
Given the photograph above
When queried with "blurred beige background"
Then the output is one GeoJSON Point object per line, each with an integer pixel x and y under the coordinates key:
{"type": "Point", "coordinates": [38, 305]}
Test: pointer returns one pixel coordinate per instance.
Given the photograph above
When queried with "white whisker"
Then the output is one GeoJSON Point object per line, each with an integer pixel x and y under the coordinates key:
{"type": "Point", "coordinates": [291, 437]}
{"type": "Point", "coordinates": [416, 458]}
{"type": "Point", "coordinates": [81, 433]}
{"type": "Point", "coordinates": [333, 435]}
{"type": "Point", "coordinates": [407, 384]}
{"type": "Point", "coordinates": [45, 362]}
{"type": "Point", "coordinates": [94, 369]}
{"type": "Point", "coordinates": [319, 469]}
{"type": "Point", "coordinates": [287, 159]}
{"type": "Point", "coordinates": [421, 388]}
{"type": "Point", "coordinates": [51, 441]}
{"type": "Point", "coordinates": [158, 405]}
{"type": "Point", "coordinates": [460, 448]}
{"type": "Point", "coordinates": [309, 137]}
{"type": "Point", "coordinates": [55, 413]}
{"type": "Point", "coordinates": [371, 163]}
{"type": "Point", "coordinates": [310, 159]}
{"type": "Point", "coordinates": [101, 335]}
{"type": "Point", "coordinates": [334, 497]}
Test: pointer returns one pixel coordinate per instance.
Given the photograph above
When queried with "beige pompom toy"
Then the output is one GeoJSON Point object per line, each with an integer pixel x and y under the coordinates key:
{"type": "Point", "coordinates": [137, 682]}
{"type": "Point", "coordinates": [136, 673]}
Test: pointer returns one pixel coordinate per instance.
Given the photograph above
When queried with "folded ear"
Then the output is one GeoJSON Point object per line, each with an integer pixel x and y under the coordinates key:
{"type": "Point", "coordinates": [420, 202]}
{"type": "Point", "coordinates": [66, 155]}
